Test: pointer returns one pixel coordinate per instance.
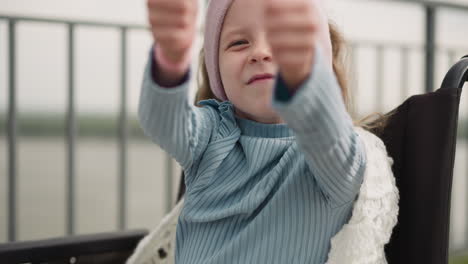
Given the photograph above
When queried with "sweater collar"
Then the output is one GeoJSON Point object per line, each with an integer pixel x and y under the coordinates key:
{"type": "Point", "coordinates": [257, 129]}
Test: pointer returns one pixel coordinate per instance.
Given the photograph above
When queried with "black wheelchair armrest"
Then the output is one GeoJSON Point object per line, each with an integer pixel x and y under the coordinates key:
{"type": "Point", "coordinates": [102, 248]}
{"type": "Point", "coordinates": [457, 75]}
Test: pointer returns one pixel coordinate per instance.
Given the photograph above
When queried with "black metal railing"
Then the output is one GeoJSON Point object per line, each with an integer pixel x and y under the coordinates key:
{"type": "Point", "coordinates": [71, 127]}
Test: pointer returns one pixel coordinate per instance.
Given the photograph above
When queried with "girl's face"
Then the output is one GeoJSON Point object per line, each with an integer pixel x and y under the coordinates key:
{"type": "Point", "coordinates": [243, 54]}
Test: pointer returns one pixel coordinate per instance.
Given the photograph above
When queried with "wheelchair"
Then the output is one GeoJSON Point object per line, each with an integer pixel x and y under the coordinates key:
{"type": "Point", "coordinates": [420, 136]}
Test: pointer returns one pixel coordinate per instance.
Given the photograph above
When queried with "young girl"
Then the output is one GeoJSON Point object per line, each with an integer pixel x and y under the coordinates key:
{"type": "Point", "coordinates": [272, 164]}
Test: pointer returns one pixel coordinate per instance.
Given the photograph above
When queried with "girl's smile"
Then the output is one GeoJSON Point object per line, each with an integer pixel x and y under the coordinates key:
{"type": "Point", "coordinates": [260, 78]}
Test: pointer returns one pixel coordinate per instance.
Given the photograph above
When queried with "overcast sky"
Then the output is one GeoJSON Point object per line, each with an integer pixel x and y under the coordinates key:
{"type": "Point", "coordinates": [42, 75]}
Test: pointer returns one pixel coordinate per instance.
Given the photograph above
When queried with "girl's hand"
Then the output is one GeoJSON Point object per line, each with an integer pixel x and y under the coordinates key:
{"type": "Point", "coordinates": [293, 29]}
{"type": "Point", "coordinates": [173, 26]}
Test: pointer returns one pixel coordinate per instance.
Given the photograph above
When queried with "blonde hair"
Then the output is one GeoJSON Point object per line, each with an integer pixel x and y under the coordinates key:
{"type": "Point", "coordinates": [374, 122]}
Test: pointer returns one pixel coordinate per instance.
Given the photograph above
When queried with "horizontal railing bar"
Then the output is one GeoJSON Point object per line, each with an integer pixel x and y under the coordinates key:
{"type": "Point", "coordinates": [408, 48]}
{"type": "Point", "coordinates": [386, 44]}
{"type": "Point", "coordinates": [360, 43]}
{"type": "Point", "coordinates": [432, 3]}
{"type": "Point", "coordinates": [452, 49]}
{"type": "Point", "coordinates": [70, 21]}
{"type": "Point", "coordinates": [395, 45]}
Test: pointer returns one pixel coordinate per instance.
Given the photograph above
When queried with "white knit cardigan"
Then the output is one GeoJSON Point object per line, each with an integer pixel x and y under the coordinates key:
{"type": "Point", "coordinates": [360, 241]}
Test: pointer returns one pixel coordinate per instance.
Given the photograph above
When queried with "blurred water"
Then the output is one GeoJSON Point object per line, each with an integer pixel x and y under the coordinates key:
{"type": "Point", "coordinates": [41, 196]}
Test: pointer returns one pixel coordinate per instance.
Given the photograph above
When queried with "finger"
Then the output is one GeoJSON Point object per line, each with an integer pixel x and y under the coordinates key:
{"type": "Point", "coordinates": [278, 7]}
{"type": "Point", "coordinates": [289, 56]}
{"type": "Point", "coordinates": [160, 19]}
{"type": "Point", "coordinates": [293, 47]}
{"type": "Point", "coordinates": [291, 40]}
{"type": "Point", "coordinates": [173, 56]}
{"type": "Point", "coordinates": [175, 38]}
{"type": "Point", "coordinates": [179, 7]}
{"type": "Point", "coordinates": [292, 60]}
{"type": "Point", "coordinates": [291, 22]}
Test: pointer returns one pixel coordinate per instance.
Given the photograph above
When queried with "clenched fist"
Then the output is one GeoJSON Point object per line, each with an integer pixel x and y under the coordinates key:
{"type": "Point", "coordinates": [173, 26]}
{"type": "Point", "coordinates": [293, 28]}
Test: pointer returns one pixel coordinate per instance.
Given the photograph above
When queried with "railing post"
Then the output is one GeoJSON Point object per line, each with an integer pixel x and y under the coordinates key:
{"type": "Point", "coordinates": [380, 61]}
{"type": "Point", "coordinates": [123, 133]}
{"type": "Point", "coordinates": [404, 64]}
{"type": "Point", "coordinates": [352, 72]}
{"type": "Point", "coordinates": [430, 47]}
{"type": "Point", "coordinates": [71, 132]}
{"type": "Point", "coordinates": [169, 183]}
{"type": "Point", "coordinates": [12, 130]}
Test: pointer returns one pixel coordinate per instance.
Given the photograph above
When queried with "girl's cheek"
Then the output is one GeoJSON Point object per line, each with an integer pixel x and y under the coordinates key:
{"type": "Point", "coordinates": [237, 56]}
{"type": "Point", "coordinates": [241, 54]}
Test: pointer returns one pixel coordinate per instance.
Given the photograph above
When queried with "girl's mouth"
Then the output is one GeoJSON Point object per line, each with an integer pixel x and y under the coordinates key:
{"type": "Point", "coordinates": [261, 77]}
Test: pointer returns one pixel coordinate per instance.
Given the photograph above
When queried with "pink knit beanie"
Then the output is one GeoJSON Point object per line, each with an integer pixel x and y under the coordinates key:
{"type": "Point", "coordinates": [215, 15]}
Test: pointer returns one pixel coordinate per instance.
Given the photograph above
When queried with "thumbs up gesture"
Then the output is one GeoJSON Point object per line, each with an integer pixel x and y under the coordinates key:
{"type": "Point", "coordinates": [173, 26]}
{"type": "Point", "coordinates": [294, 27]}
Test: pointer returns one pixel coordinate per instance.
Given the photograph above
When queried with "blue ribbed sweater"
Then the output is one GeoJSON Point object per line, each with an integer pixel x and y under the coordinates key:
{"type": "Point", "coordinates": [258, 193]}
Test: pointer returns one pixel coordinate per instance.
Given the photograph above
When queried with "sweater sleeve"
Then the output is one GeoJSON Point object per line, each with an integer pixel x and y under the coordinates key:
{"type": "Point", "coordinates": [324, 132]}
{"type": "Point", "coordinates": [168, 119]}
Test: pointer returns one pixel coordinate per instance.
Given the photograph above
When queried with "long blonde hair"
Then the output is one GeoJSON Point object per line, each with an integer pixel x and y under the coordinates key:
{"type": "Point", "coordinates": [374, 122]}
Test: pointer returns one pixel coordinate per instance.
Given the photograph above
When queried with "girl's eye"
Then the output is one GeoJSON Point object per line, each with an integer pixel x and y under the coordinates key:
{"type": "Point", "coordinates": [238, 42]}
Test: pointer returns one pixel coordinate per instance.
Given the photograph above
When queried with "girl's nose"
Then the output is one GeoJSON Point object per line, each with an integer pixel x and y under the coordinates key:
{"type": "Point", "coordinates": [261, 52]}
